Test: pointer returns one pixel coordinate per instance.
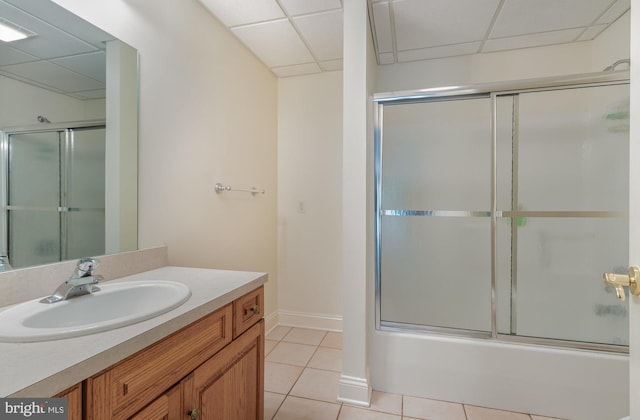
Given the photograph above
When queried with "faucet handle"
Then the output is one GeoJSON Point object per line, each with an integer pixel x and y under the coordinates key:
{"type": "Point", "coordinates": [85, 267]}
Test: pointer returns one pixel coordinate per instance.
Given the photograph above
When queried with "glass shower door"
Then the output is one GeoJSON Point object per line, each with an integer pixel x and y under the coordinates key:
{"type": "Point", "coordinates": [563, 196]}
{"type": "Point", "coordinates": [497, 211]}
{"type": "Point", "coordinates": [55, 194]}
{"type": "Point", "coordinates": [33, 194]}
{"type": "Point", "coordinates": [434, 219]}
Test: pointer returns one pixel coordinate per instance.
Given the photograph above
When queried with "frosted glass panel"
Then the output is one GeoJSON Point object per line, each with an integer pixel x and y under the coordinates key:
{"type": "Point", "coordinates": [565, 152]}
{"type": "Point", "coordinates": [34, 169]}
{"type": "Point", "coordinates": [86, 194]}
{"type": "Point", "coordinates": [560, 292]}
{"type": "Point", "coordinates": [436, 156]}
{"type": "Point", "coordinates": [572, 148]}
{"type": "Point", "coordinates": [504, 287]}
{"type": "Point", "coordinates": [86, 169]}
{"type": "Point", "coordinates": [85, 234]}
{"type": "Point", "coordinates": [34, 237]}
{"type": "Point", "coordinates": [437, 271]}
{"type": "Point", "coordinates": [505, 108]}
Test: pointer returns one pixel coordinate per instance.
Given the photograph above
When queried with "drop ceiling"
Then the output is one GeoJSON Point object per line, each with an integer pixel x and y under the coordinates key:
{"type": "Point", "coordinates": [67, 54]}
{"type": "Point", "coordinates": [294, 37]}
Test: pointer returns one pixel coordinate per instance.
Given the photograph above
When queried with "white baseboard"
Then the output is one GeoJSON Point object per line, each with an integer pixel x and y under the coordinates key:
{"type": "Point", "coordinates": [309, 320]}
{"type": "Point", "coordinates": [354, 391]}
{"type": "Point", "coordinates": [270, 321]}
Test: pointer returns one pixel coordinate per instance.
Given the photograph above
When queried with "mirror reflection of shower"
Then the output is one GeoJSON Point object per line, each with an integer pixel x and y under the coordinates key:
{"type": "Point", "coordinates": [53, 192]}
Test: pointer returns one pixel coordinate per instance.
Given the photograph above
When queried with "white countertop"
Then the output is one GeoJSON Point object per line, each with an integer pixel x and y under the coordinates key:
{"type": "Point", "coordinates": [45, 368]}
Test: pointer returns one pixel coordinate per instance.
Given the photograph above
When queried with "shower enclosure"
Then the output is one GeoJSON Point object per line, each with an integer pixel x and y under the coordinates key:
{"type": "Point", "coordinates": [53, 193]}
{"type": "Point", "coordinates": [498, 208]}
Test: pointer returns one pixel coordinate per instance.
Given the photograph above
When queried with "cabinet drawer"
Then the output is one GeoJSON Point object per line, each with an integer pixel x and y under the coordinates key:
{"type": "Point", "coordinates": [247, 310]}
{"type": "Point", "coordinates": [129, 385]}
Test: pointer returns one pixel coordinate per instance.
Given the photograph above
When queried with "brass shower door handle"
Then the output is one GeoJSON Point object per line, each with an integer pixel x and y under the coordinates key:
{"type": "Point", "coordinates": [632, 280]}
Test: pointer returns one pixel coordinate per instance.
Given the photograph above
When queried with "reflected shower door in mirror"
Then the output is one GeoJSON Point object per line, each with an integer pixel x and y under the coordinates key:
{"type": "Point", "coordinates": [69, 71]}
{"type": "Point", "coordinates": [498, 211]}
{"type": "Point", "coordinates": [55, 195]}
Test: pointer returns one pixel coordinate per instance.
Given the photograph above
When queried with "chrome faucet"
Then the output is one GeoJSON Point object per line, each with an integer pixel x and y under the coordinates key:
{"type": "Point", "coordinates": [81, 282]}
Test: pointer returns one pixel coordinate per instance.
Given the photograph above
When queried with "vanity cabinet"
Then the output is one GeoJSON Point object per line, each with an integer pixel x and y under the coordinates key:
{"type": "Point", "coordinates": [202, 371]}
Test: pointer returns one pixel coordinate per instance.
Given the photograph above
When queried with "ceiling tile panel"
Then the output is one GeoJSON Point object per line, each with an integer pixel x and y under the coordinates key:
{"type": "Point", "coordinates": [93, 65]}
{"type": "Point", "coordinates": [591, 32]}
{"type": "Point", "coordinates": [382, 23]}
{"type": "Point", "coordinates": [386, 58]}
{"type": "Point", "coordinates": [241, 12]}
{"type": "Point", "coordinates": [323, 33]}
{"type": "Point", "coordinates": [534, 40]}
{"type": "Point", "coordinates": [91, 94]}
{"type": "Point", "coordinates": [520, 17]}
{"type": "Point", "coordinates": [63, 20]}
{"type": "Point", "coordinates": [47, 36]}
{"type": "Point", "coordinates": [46, 73]}
{"type": "Point", "coordinates": [439, 52]}
{"type": "Point", "coordinates": [331, 65]}
{"type": "Point", "coordinates": [296, 70]}
{"type": "Point", "coordinates": [429, 23]}
{"type": "Point", "coordinates": [295, 37]}
{"type": "Point", "coordinates": [10, 55]}
{"type": "Point", "coordinates": [301, 7]}
{"type": "Point", "coordinates": [276, 43]}
{"type": "Point", "coordinates": [615, 11]}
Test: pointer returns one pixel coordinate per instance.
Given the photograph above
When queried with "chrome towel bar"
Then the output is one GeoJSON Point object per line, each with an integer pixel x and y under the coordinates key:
{"type": "Point", "coordinates": [220, 188]}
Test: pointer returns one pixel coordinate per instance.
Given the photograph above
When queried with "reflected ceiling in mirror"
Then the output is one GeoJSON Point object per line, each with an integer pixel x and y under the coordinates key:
{"type": "Point", "coordinates": [64, 54]}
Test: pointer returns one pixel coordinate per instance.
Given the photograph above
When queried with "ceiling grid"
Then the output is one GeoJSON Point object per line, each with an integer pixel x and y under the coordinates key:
{"type": "Point", "coordinates": [294, 37]}
{"type": "Point", "coordinates": [409, 30]}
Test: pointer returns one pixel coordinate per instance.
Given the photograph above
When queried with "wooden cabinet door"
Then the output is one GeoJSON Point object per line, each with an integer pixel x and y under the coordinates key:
{"type": "Point", "coordinates": [74, 396]}
{"type": "Point", "coordinates": [165, 407]}
{"type": "Point", "coordinates": [229, 386]}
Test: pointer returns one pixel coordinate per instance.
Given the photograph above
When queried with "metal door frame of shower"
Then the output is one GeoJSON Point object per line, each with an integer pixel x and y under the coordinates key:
{"type": "Point", "coordinates": [5, 133]}
{"type": "Point", "coordinates": [491, 91]}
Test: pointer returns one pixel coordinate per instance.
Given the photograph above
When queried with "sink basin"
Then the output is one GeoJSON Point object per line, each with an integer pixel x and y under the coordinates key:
{"type": "Point", "coordinates": [113, 306]}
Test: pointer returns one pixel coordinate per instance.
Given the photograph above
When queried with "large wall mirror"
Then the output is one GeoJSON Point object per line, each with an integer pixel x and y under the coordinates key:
{"type": "Point", "coordinates": [68, 137]}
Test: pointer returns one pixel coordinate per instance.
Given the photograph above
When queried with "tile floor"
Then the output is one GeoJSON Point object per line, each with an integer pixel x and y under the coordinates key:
{"type": "Point", "coordinates": [302, 369]}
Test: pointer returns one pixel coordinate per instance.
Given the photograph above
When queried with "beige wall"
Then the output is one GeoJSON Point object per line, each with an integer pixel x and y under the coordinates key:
{"type": "Point", "coordinates": [207, 114]}
{"type": "Point", "coordinates": [309, 200]}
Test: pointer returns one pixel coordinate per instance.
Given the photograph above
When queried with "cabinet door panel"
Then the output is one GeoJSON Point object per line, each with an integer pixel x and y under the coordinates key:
{"type": "Point", "coordinates": [229, 386]}
{"type": "Point", "coordinates": [74, 396]}
{"type": "Point", "coordinates": [165, 407]}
